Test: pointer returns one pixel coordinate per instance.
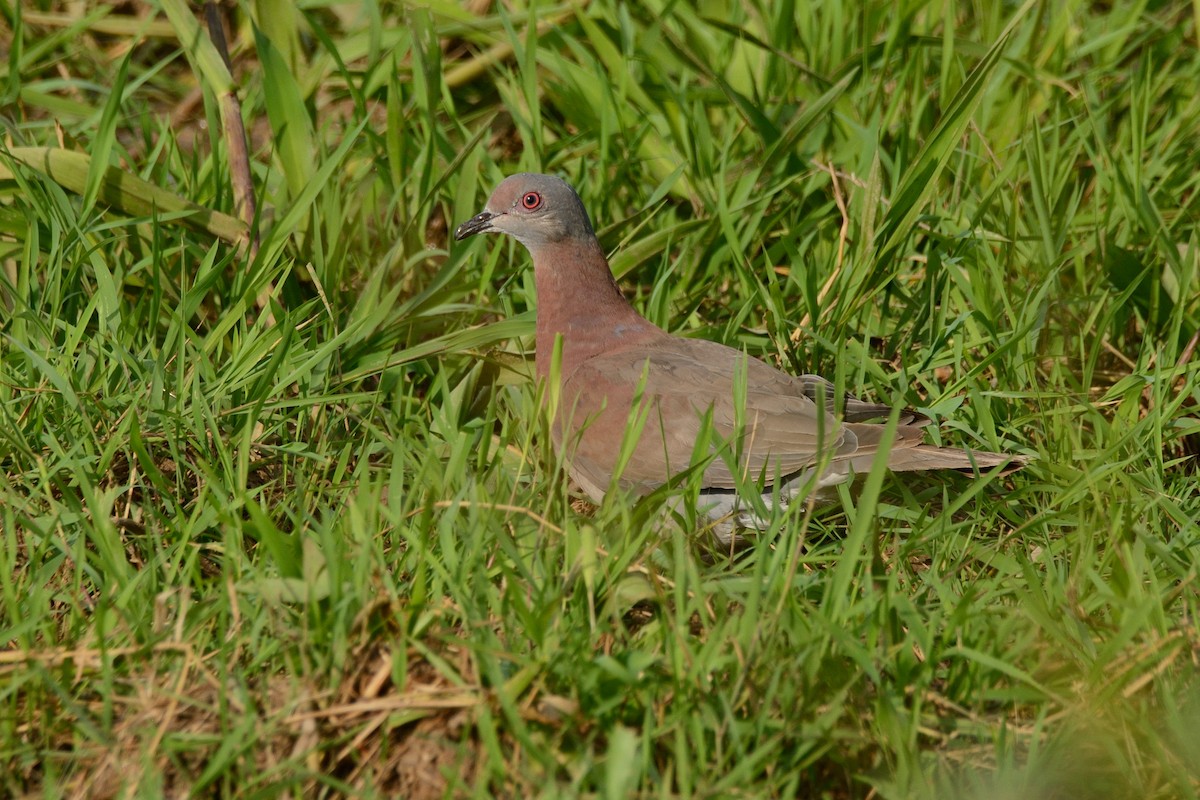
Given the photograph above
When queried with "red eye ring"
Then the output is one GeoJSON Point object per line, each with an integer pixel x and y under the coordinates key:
{"type": "Point", "coordinates": [531, 201]}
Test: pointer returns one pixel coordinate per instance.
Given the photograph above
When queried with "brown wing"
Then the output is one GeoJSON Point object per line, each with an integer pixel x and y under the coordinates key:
{"type": "Point", "coordinates": [782, 429]}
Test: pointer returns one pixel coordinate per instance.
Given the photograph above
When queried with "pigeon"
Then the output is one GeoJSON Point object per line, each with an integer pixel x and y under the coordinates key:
{"type": "Point", "coordinates": [626, 387]}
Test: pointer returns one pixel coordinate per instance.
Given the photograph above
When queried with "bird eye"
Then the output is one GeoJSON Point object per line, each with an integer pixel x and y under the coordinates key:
{"type": "Point", "coordinates": [531, 200]}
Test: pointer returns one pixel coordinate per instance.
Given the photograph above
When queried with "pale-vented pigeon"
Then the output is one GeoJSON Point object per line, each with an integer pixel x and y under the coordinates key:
{"type": "Point", "coordinates": [780, 429]}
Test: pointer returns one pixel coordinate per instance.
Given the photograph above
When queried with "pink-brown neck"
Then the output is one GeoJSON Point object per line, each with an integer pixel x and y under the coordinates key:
{"type": "Point", "coordinates": [579, 299]}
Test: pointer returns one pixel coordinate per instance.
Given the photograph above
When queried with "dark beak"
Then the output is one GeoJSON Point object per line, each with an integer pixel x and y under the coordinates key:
{"type": "Point", "coordinates": [479, 223]}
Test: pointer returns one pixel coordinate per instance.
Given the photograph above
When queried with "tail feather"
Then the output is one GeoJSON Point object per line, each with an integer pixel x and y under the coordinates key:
{"type": "Point", "coordinates": [927, 456]}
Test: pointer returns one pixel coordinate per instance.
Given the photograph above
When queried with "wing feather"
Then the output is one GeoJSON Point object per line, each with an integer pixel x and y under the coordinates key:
{"type": "Point", "coordinates": [785, 424]}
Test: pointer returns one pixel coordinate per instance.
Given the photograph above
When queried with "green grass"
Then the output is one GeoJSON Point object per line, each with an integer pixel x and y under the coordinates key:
{"type": "Point", "coordinates": [287, 522]}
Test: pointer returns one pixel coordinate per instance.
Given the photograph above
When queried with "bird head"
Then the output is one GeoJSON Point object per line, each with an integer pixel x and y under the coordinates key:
{"type": "Point", "coordinates": [534, 209]}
